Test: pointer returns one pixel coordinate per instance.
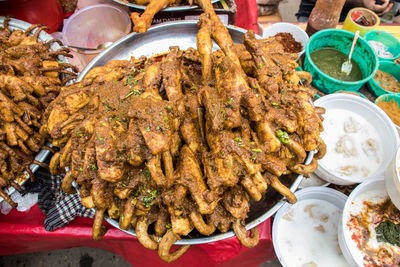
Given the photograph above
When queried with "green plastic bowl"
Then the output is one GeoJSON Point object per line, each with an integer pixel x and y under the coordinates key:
{"type": "Point", "coordinates": [341, 40]}
{"type": "Point", "coordinates": [388, 39]}
{"type": "Point", "coordinates": [387, 98]}
{"type": "Point", "coordinates": [385, 66]}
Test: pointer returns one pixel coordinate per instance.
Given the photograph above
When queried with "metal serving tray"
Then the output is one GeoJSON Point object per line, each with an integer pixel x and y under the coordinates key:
{"type": "Point", "coordinates": [16, 24]}
{"type": "Point", "coordinates": [157, 40]}
{"type": "Point", "coordinates": [168, 9]}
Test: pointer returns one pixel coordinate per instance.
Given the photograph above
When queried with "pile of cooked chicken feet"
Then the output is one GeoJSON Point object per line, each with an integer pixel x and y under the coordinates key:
{"type": "Point", "coordinates": [185, 140]}
{"type": "Point", "coordinates": [29, 79]}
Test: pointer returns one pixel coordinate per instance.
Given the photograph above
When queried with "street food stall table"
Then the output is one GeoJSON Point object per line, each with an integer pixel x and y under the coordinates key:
{"type": "Point", "coordinates": [23, 232]}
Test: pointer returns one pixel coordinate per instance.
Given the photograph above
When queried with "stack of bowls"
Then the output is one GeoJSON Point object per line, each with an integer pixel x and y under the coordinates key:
{"type": "Point", "coordinates": [386, 64]}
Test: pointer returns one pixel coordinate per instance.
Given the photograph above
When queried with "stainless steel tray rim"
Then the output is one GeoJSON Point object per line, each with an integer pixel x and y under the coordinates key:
{"type": "Point", "coordinates": [167, 9]}
{"type": "Point", "coordinates": [160, 26]}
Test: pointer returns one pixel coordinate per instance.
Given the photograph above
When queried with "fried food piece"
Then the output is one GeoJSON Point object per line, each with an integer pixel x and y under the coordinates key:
{"type": "Point", "coordinates": [165, 246]}
{"type": "Point", "coordinates": [142, 22]}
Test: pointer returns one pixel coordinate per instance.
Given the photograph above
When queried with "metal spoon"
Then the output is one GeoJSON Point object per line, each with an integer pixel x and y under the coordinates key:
{"type": "Point", "coordinates": [346, 66]}
{"type": "Point", "coordinates": [102, 46]}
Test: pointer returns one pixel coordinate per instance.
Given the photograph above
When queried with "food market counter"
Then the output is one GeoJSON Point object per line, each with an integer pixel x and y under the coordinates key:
{"type": "Point", "coordinates": [23, 232]}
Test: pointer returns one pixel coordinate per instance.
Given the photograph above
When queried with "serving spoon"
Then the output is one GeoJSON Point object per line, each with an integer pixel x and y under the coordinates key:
{"type": "Point", "coordinates": [102, 46]}
{"type": "Point", "coordinates": [347, 66]}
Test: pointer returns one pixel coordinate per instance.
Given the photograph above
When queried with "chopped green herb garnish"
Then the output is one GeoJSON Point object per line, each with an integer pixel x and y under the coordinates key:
{"type": "Point", "coordinates": [255, 86]}
{"type": "Point", "coordinates": [106, 106]}
{"type": "Point", "coordinates": [124, 185]}
{"type": "Point", "coordinates": [137, 193]}
{"type": "Point", "coordinates": [260, 65]}
{"type": "Point", "coordinates": [81, 169]}
{"type": "Point", "coordinates": [253, 157]}
{"type": "Point", "coordinates": [80, 134]}
{"type": "Point", "coordinates": [142, 70]}
{"type": "Point", "coordinates": [169, 107]}
{"type": "Point", "coordinates": [252, 143]}
{"type": "Point", "coordinates": [166, 119]}
{"type": "Point", "coordinates": [147, 200]}
{"type": "Point", "coordinates": [133, 92]}
{"type": "Point", "coordinates": [257, 150]}
{"type": "Point", "coordinates": [274, 104]}
{"type": "Point", "coordinates": [193, 87]}
{"type": "Point", "coordinates": [147, 129]}
{"type": "Point", "coordinates": [102, 139]}
{"type": "Point", "coordinates": [283, 136]}
{"type": "Point", "coordinates": [237, 139]}
{"type": "Point", "coordinates": [147, 174]}
{"type": "Point", "coordinates": [229, 103]}
{"type": "Point", "coordinates": [158, 128]}
{"type": "Point", "coordinates": [241, 145]}
{"type": "Point", "coordinates": [131, 81]}
{"type": "Point", "coordinates": [94, 167]}
{"type": "Point", "coordinates": [388, 232]}
{"type": "Point", "coordinates": [168, 226]}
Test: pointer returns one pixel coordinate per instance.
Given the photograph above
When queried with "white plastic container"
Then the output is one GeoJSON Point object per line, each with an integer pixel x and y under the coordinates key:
{"type": "Point", "coordinates": [392, 180]}
{"type": "Point", "coordinates": [321, 196]}
{"type": "Point", "coordinates": [375, 117]}
{"type": "Point", "coordinates": [298, 33]}
{"type": "Point", "coordinates": [371, 191]}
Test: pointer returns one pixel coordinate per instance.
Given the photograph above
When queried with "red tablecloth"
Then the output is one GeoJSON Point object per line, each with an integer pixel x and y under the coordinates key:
{"type": "Point", "coordinates": [23, 232]}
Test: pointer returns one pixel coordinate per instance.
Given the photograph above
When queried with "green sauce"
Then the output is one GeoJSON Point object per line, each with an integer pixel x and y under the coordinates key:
{"type": "Point", "coordinates": [388, 232]}
{"type": "Point", "coordinates": [330, 61]}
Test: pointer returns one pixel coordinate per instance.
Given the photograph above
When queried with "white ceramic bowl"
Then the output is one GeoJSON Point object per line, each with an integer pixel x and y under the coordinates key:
{"type": "Point", "coordinates": [315, 193]}
{"type": "Point", "coordinates": [372, 190]}
{"type": "Point", "coordinates": [298, 33]}
{"type": "Point", "coordinates": [392, 180]}
{"type": "Point", "coordinates": [377, 118]}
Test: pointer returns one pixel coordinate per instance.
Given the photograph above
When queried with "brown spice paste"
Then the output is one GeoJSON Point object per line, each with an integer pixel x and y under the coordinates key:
{"type": "Point", "coordinates": [392, 109]}
{"type": "Point", "coordinates": [290, 45]}
{"type": "Point", "coordinates": [387, 81]}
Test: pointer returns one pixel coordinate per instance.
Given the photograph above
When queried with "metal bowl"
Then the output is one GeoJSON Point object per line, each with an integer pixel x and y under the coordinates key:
{"type": "Point", "coordinates": [157, 40]}
{"type": "Point", "coordinates": [16, 24]}
{"type": "Point", "coordinates": [168, 9]}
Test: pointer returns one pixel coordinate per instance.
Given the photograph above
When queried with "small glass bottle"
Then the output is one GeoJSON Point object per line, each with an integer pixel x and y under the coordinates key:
{"type": "Point", "coordinates": [325, 15]}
